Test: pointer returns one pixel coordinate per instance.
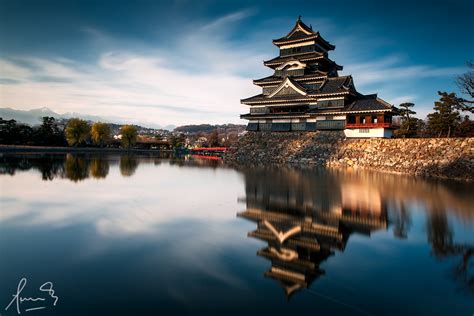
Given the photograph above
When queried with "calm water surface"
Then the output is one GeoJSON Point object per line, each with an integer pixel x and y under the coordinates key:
{"type": "Point", "coordinates": [132, 235]}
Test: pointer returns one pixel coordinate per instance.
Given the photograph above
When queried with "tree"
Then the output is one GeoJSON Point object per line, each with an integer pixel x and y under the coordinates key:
{"type": "Point", "coordinates": [129, 135]}
{"type": "Point", "coordinates": [465, 83]}
{"type": "Point", "coordinates": [13, 133]}
{"type": "Point", "coordinates": [421, 129]}
{"type": "Point", "coordinates": [177, 141]}
{"type": "Point", "coordinates": [77, 132]}
{"type": "Point", "coordinates": [409, 124]}
{"type": "Point", "coordinates": [466, 128]}
{"type": "Point", "coordinates": [49, 133]}
{"type": "Point", "coordinates": [100, 133]}
{"type": "Point", "coordinates": [214, 138]}
{"type": "Point", "coordinates": [405, 111]}
{"type": "Point", "coordinates": [446, 116]}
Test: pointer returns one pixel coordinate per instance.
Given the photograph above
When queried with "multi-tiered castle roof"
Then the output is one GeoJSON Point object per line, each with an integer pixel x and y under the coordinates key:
{"type": "Point", "coordinates": [306, 83]}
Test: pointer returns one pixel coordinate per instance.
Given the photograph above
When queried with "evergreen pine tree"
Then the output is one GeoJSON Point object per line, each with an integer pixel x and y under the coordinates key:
{"type": "Point", "coordinates": [409, 124]}
{"type": "Point", "coordinates": [446, 116]}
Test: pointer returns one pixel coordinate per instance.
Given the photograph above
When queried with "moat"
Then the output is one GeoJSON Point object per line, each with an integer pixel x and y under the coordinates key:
{"type": "Point", "coordinates": [146, 235]}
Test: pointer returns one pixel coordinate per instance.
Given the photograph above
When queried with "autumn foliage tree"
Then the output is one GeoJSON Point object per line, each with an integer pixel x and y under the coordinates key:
{"type": "Point", "coordinates": [77, 132]}
{"type": "Point", "coordinates": [100, 133]}
{"type": "Point", "coordinates": [129, 135]}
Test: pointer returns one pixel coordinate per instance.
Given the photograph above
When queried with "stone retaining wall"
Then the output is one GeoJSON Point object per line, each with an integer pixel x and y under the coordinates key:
{"type": "Point", "coordinates": [451, 158]}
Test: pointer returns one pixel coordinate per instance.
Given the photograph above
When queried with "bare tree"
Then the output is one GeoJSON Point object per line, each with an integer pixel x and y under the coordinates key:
{"type": "Point", "coordinates": [465, 83]}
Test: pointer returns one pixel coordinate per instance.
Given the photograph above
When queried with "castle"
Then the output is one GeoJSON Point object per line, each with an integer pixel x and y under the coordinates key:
{"type": "Point", "coordinates": [306, 93]}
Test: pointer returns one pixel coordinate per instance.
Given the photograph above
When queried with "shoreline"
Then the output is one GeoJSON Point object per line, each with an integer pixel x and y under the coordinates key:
{"type": "Point", "coordinates": [12, 149]}
{"type": "Point", "coordinates": [441, 158]}
{"type": "Point", "coordinates": [329, 153]}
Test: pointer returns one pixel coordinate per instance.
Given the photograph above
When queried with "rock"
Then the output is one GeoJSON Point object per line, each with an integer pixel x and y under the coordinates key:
{"type": "Point", "coordinates": [446, 158]}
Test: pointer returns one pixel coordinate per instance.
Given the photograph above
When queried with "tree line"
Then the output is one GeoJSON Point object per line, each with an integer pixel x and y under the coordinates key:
{"type": "Point", "coordinates": [75, 133]}
{"type": "Point", "coordinates": [447, 119]}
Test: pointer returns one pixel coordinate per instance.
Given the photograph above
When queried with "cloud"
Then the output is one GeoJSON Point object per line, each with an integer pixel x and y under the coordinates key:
{"type": "Point", "coordinates": [9, 81]}
{"type": "Point", "coordinates": [197, 77]}
{"type": "Point", "coordinates": [225, 20]}
{"type": "Point", "coordinates": [402, 99]}
{"type": "Point", "coordinates": [146, 85]}
{"type": "Point", "coordinates": [389, 69]}
{"type": "Point", "coordinates": [396, 82]}
{"type": "Point", "coordinates": [10, 71]}
{"type": "Point", "coordinates": [137, 212]}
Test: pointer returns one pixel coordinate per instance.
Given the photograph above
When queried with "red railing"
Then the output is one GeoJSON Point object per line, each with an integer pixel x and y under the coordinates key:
{"type": "Point", "coordinates": [369, 125]}
{"type": "Point", "coordinates": [206, 157]}
{"type": "Point", "coordinates": [220, 149]}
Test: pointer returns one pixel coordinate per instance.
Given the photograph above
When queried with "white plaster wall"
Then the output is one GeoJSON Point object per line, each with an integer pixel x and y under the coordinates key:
{"type": "Point", "coordinates": [373, 132]}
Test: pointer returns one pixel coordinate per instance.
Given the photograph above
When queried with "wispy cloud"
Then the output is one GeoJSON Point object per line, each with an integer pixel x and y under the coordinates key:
{"type": "Point", "coordinates": [396, 82]}
{"type": "Point", "coordinates": [391, 68]}
{"type": "Point", "coordinates": [224, 21]}
{"type": "Point", "coordinates": [197, 77]}
{"type": "Point", "coordinates": [149, 85]}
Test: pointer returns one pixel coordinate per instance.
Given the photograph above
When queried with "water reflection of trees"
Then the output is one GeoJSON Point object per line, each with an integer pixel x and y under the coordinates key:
{"type": "Point", "coordinates": [70, 166]}
{"type": "Point", "coordinates": [99, 168]}
{"type": "Point", "coordinates": [441, 238]}
{"type": "Point", "coordinates": [401, 219]}
{"type": "Point", "coordinates": [76, 168]}
{"type": "Point", "coordinates": [50, 166]}
{"type": "Point", "coordinates": [128, 165]}
{"type": "Point", "coordinates": [330, 206]}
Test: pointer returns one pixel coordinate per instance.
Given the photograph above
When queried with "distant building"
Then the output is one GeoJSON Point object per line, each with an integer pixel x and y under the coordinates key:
{"type": "Point", "coordinates": [305, 93]}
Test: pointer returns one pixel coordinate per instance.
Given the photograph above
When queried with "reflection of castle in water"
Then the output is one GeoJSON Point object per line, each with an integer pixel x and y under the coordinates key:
{"type": "Point", "coordinates": [304, 218]}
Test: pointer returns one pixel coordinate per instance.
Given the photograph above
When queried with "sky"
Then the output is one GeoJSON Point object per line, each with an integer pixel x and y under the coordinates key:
{"type": "Point", "coordinates": [190, 62]}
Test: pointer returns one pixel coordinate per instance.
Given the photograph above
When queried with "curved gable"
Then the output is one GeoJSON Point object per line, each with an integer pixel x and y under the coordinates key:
{"type": "Point", "coordinates": [288, 86]}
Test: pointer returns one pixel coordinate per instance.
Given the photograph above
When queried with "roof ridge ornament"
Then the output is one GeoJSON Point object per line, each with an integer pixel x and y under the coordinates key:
{"type": "Point", "coordinates": [299, 18]}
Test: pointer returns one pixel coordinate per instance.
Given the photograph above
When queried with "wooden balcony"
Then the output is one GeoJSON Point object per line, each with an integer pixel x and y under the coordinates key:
{"type": "Point", "coordinates": [369, 125]}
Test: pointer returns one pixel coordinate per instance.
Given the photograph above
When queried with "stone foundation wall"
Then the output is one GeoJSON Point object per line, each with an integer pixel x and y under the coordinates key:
{"type": "Point", "coordinates": [451, 158]}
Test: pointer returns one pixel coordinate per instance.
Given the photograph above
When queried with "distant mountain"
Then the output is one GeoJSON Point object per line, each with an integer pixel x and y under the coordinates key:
{"type": "Point", "coordinates": [34, 117]}
{"type": "Point", "coordinates": [169, 127]}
